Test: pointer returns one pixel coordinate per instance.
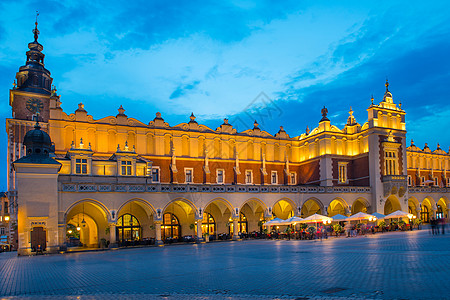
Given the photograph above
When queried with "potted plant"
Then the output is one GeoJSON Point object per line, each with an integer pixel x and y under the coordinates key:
{"type": "Point", "coordinates": [312, 231]}
{"type": "Point", "coordinates": [382, 225]}
{"type": "Point", "coordinates": [260, 224]}
{"type": "Point", "coordinates": [337, 229]}
{"type": "Point", "coordinates": [418, 222]}
{"type": "Point", "coordinates": [288, 231]}
{"type": "Point", "coordinates": [206, 236]}
{"type": "Point", "coordinates": [401, 224]}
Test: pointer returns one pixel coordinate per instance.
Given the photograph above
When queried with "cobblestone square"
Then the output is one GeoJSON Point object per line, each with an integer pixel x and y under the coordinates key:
{"type": "Point", "coordinates": [408, 265]}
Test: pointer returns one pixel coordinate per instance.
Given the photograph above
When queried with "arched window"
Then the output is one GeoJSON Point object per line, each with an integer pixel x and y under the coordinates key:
{"type": "Point", "coordinates": [128, 228]}
{"type": "Point", "coordinates": [208, 224]}
{"type": "Point", "coordinates": [243, 225]}
{"type": "Point", "coordinates": [439, 212]}
{"type": "Point", "coordinates": [424, 214]}
{"type": "Point", "coordinates": [170, 227]}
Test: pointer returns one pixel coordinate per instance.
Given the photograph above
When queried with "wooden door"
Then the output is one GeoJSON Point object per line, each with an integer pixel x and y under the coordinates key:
{"type": "Point", "coordinates": [38, 237]}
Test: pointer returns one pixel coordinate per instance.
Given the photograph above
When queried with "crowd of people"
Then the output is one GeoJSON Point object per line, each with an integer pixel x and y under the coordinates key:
{"type": "Point", "coordinates": [438, 226]}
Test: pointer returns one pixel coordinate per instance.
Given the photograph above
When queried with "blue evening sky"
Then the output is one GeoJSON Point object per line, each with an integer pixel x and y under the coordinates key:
{"type": "Point", "coordinates": [278, 62]}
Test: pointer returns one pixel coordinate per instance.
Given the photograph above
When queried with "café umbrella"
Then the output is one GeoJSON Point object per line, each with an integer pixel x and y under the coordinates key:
{"type": "Point", "coordinates": [360, 216]}
{"type": "Point", "coordinates": [339, 217]}
{"type": "Point", "coordinates": [316, 218]}
{"type": "Point", "coordinates": [293, 220]}
{"type": "Point", "coordinates": [276, 222]}
{"type": "Point", "coordinates": [397, 214]}
{"type": "Point", "coordinates": [378, 215]}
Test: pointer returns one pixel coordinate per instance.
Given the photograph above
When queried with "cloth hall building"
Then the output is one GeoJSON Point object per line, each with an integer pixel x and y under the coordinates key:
{"type": "Point", "coordinates": [118, 178]}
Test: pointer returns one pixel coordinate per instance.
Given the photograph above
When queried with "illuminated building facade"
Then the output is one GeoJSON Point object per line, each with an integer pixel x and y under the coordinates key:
{"type": "Point", "coordinates": [119, 179]}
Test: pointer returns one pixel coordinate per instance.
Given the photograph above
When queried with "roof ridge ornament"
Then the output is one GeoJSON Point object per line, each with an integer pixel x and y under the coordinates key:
{"type": "Point", "coordinates": [324, 112]}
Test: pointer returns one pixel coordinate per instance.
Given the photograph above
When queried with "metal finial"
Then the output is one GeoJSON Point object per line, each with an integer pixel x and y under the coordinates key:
{"type": "Point", "coordinates": [35, 30]}
{"type": "Point", "coordinates": [387, 84]}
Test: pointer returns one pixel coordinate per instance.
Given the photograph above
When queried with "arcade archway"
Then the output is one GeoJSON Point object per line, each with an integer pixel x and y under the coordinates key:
{"type": "Point", "coordinates": [135, 220]}
{"type": "Point", "coordinates": [392, 204]}
{"type": "Point", "coordinates": [337, 206]}
{"type": "Point", "coordinates": [360, 205]}
{"type": "Point", "coordinates": [177, 219]}
{"type": "Point", "coordinates": [252, 213]}
{"type": "Point", "coordinates": [86, 224]}
{"type": "Point", "coordinates": [310, 207]}
{"type": "Point", "coordinates": [283, 209]}
{"type": "Point", "coordinates": [216, 217]}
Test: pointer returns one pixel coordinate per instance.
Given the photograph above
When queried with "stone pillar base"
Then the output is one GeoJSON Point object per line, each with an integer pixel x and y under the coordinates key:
{"type": "Point", "coordinates": [200, 240]}
{"type": "Point", "coordinates": [236, 238]}
{"type": "Point", "coordinates": [113, 245]}
{"type": "Point", "coordinates": [159, 243]}
{"type": "Point", "coordinates": [52, 249]}
{"type": "Point", "coordinates": [24, 251]}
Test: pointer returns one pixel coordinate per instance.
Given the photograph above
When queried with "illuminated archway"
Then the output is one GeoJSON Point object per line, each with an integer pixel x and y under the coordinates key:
{"type": "Point", "coordinates": [144, 214]}
{"type": "Point", "coordinates": [220, 210]}
{"type": "Point", "coordinates": [182, 212]}
{"type": "Point", "coordinates": [283, 209]}
{"type": "Point", "coordinates": [413, 206]}
{"type": "Point", "coordinates": [86, 224]}
{"type": "Point", "coordinates": [310, 207]}
{"type": "Point", "coordinates": [360, 205]}
{"type": "Point", "coordinates": [337, 206]}
{"type": "Point", "coordinates": [427, 209]}
{"type": "Point", "coordinates": [253, 211]}
{"type": "Point", "coordinates": [392, 204]}
{"type": "Point", "coordinates": [441, 212]}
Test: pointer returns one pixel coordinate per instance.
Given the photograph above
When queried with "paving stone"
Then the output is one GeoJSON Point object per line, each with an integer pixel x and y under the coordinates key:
{"type": "Point", "coordinates": [403, 265]}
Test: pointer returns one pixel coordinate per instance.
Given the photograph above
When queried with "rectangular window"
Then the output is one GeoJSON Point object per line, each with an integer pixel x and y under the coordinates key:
{"type": "Point", "coordinates": [81, 166]}
{"type": "Point", "coordinates": [448, 181]}
{"type": "Point", "coordinates": [293, 178]}
{"type": "Point", "coordinates": [409, 180]}
{"type": "Point", "coordinates": [2, 230]}
{"type": "Point", "coordinates": [422, 180]}
{"type": "Point", "coordinates": [390, 161]}
{"type": "Point", "coordinates": [436, 182]}
{"type": "Point", "coordinates": [126, 167]}
{"type": "Point", "coordinates": [274, 176]}
{"type": "Point", "coordinates": [188, 175]}
{"type": "Point", "coordinates": [248, 176]}
{"type": "Point", "coordinates": [155, 174]}
{"type": "Point", "coordinates": [220, 176]}
{"type": "Point", "coordinates": [342, 170]}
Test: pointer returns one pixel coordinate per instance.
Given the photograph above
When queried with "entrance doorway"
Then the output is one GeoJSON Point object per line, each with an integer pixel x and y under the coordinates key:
{"type": "Point", "coordinates": [38, 239]}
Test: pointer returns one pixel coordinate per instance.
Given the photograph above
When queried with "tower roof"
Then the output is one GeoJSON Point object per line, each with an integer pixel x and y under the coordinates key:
{"type": "Point", "coordinates": [33, 76]}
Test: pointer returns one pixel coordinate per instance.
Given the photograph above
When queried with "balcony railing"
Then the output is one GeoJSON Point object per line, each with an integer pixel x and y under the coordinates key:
{"type": "Point", "coordinates": [204, 188]}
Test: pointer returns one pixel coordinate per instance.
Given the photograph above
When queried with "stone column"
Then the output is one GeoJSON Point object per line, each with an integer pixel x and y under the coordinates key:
{"type": "Point", "coordinates": [158, 240]}
{"type": "Point", "coordinates": [62, 237]}
{"type": "Point", "coordinates": [199, 230]}
{"type": "Point", "coordinates": [112, 235]}
{"type": "Point", "coordinates": [235, 229]}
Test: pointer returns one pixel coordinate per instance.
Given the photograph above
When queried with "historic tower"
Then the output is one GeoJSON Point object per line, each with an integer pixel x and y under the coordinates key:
{"type": "Point", "coordinates": [33, 89]}
{"type": "Point", "coordinates": [30, 98]}
{"type": "Point", "coordinates": [387, 155]}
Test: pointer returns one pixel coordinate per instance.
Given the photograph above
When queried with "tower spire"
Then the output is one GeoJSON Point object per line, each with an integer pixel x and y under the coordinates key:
{"type": "Point", "coordinates": [36, 30]}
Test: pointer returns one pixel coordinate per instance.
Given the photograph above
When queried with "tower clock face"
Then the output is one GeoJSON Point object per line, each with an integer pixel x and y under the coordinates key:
{"type": "Point", "coordinates": [34, 105]}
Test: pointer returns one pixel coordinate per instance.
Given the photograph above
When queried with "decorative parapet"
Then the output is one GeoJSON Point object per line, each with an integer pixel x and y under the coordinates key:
{"type": "Point", "coordinates": [429, 189]}
{"type": "Point", "coordinates": [205, 188]}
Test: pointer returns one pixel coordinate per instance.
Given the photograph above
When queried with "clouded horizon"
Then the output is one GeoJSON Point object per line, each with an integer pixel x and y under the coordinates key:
{"type": "Point", "coordinates": [215, 60]}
